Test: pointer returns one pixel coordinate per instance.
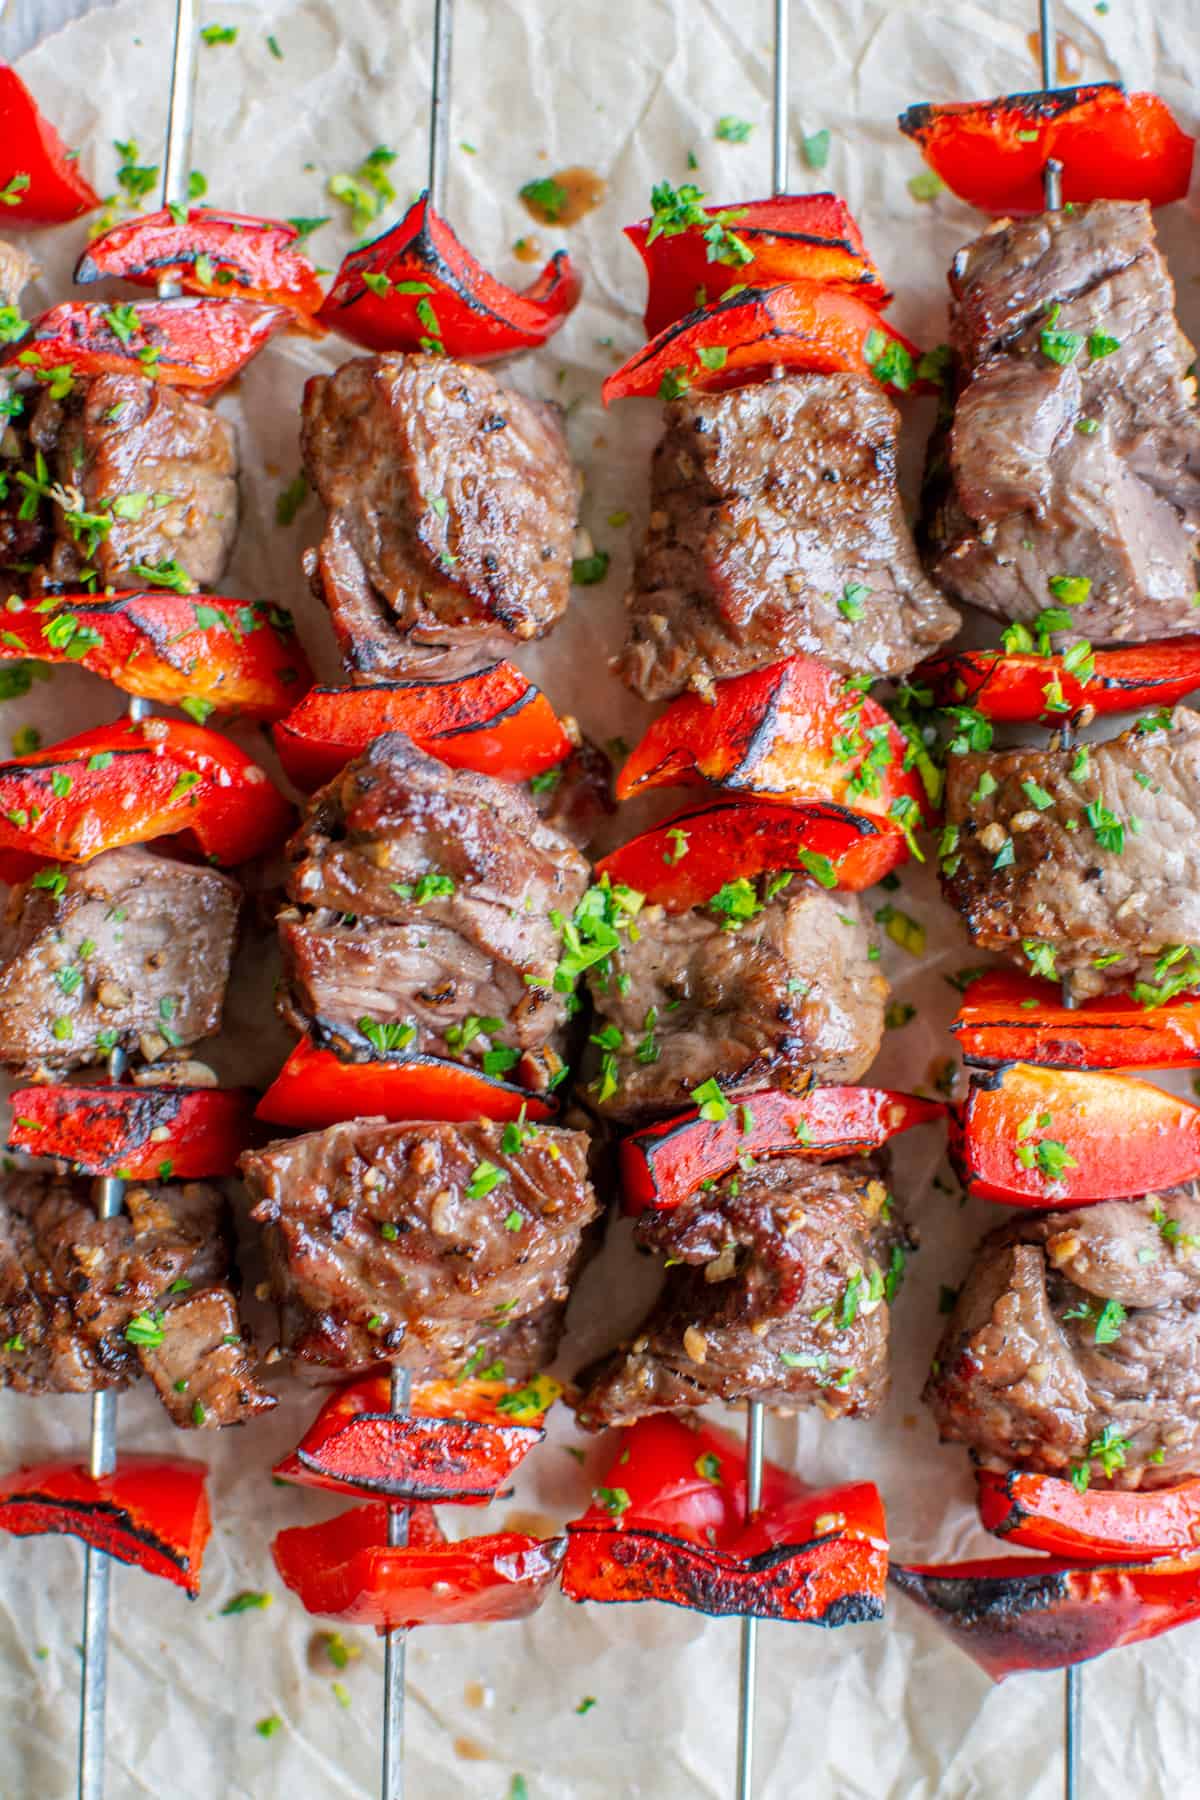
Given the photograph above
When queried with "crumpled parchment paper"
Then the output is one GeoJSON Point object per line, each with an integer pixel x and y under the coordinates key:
{"type": "Point", "coordinates": [886, 1710]}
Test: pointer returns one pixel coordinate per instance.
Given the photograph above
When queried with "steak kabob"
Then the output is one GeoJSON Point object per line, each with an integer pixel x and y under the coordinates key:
{"type": "Point", "coordinates": [729, 958]}
{"type": "Point", "coordinates": [430, 1219]}
{"type": "Point", "coordinates": [1066, 501]}
{"type": "Point", "coordinates": [116, 474]}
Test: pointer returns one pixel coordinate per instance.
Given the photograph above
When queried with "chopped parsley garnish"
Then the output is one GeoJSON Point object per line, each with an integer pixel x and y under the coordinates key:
{"type": "Point", "coordinates": [814, 147]}
{"type": "Point", "coordinates": [673, 210]}
{"type": "Point", "coordinates": [484, 1177]}
{"type": "Point", "coordinates": [614, 1500]}
{"type": "Point", "coordinates": [714, 1107]}
{"type": "Point", "coordinates": [290, 499]}
{"type": "Point", "coordinates": [586, 571]}
{"type": "Point", "coordinates": [249, 1600]}
{"type": "Point", "coordinates": [387, 1035]}
{"type": "Point", "coordinates": [367, 190]}
{"type": "Point", "coordinates": [732, 130]}
{"type": "Point", "coordinates": [545, 197]}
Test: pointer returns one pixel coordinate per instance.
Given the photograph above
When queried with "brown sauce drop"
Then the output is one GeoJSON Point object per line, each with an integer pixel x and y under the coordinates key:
{"type": "Point", "coordinates": [537, 1524]}
{"type": "Point", "coordinates": [584, 191]}
{"type": "Point", "coordinates": [475, 1693]}
{"type": "Point", "coordinates": [470, 1751]}
{"type": "Point", "coordinates": [528, 249]}
{"type": "Point", "coordinates": [1068, 59]}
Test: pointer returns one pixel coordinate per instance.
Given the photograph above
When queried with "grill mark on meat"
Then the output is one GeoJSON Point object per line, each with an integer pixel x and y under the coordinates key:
{"type": "Point", "coordinates": [1020, 1380]}
{"type": "Point", "coordinates": [450, 1283]}
{"type": "Point", "coordinates": [760, 1272]}
{"type": "Point", "coordinates": [748, 554]}
{"type": "Point", "coordinates": [789, 998]}
{"type": "Point", "coordinates": [161, 929]}
{"type": "Point", "coordinates": [70, 1284]}
{"type": "Point", "coordinates": [452, 506]}
{"type": "Point", "coordinates": [1063, 887]}
{"type": "Point", "coordinates": [487, 949]}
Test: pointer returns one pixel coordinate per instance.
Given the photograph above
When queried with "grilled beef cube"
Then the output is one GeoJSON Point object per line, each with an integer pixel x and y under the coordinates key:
{"type": "Point", "coordinates": [788, 997]}
{"type": "Point", "coordinates": [165, 463]}
{"type": "Point", "coordinates": [777, 1290]}
{"type": "Point", "coordinates": [1075, 1344]}
{"type": "Point", "coordinates": [1084, 861]}
{"type": "Point", "coordinates": [438, 1246]}
{"type": "Point", "coordinates": [17, 270]}
{"type": "Point", "coordinates": [578, 794]}
{"type": "Point", "coordinates": [776, 527]}
{"type": "Point", "coordinates": [87, 1303]}
{"type": "Point", "coordinates": [451, 512]}
{"type": "Point", "coordinates": [1075, 447]}
{"type": "Point", "coordinates": [130, 949]}
{"type": "Point", "coordinates": [424, 898]}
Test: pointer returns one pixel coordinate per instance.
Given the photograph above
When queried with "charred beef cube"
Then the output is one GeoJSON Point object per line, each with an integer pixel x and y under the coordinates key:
{"type": "Point", "coordinates": [1075, 446]}
{"type": "Point", "coordinates": [778, 1000]}
{"type": "Point", "coordinates": [1074, 1347]}
{"type": "Point", "coordinates": [87, 1303]}
{"type": "Point", "coordinates": [157, 470]}
{"type": "Point", "coordinates": [424, 921]}
{"type": "Point", "coordinates": [777, 1289]}
{"type": "Point", "coordinates": [451, 512]}
{"type": "Point", "coordinates": [776, 527]}
{"type": "Point", "coordinates": [1083, 861]}
{"type": "Point", "coordinates": [129, 949]}
{"type": "Point", "coordinates": [439, 1246]}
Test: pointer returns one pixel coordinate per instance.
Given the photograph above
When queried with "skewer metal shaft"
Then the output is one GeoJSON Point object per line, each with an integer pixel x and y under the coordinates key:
{"type": "Point", "coordinates": [396, 1642]}
{"type": "Point", "coordinates": [1052, 189]}
{"type": "Point", "coordinates": [748, 1657]}
{"type": "Point", "coordinates": [102, 1457]}
{"type": "Point", "coordinates": [1048, 45]}
{"type": "Point", "coordinates": [439, 100]}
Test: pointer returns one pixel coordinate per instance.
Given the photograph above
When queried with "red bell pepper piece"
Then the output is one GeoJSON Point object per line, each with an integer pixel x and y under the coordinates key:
{"type": "Point", "coordinates": [315, 1088]}
{"type": "Point", "coordinates": [494, 720]}
{"type": "Point", "coordinates": [179, 649]}
{"type": "Point", "coordinates": [748, 335]}
{"type": "Point", "coordinates": [418, 288]}
{"type": "Point", "coordinates": [1052, 1137]}
{"type": "Point", "coordinates": [1040, 1612]}
{"type": "Point", "coordinates": [1043, 1512]}
{"type": "Point", "coordinates": [192, 343]}
{"type": "Point", "coordinates": [132, 783]}
{"type": "Point", "coordinates": [670, 1524]}
{"type": "Point", "coordinates": [790, 237]}
{"type": "Point", "coordinates": [345, 1569]}
{"type": "Point", "coordinates": [727, 839]}
{"type": "Point", "coordinates": [141, 1133]}
{"type": "Point", "coordinates": [461, 1441]}
{"type": "Point", "coordinates": [1024, 687]}
{"type": "Point", "coordinates": [152, 1511]}
{"type": "Point", "coordinates": [222, 254]}
{"type": "Point", "coordinates": [40, 179]}
{"type": "Point", "coordinates": [661, 1165]}
{"type": "Point", "coordinates": [1006, 1017]}
{"type": "Point", "coordinates": [793, 730]}
{"type": "Point", "coordinates": [1112, 146]}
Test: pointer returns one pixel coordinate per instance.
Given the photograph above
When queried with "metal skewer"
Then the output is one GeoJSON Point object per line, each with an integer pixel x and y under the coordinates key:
{"type": "Point", "coordinates": [396, 1641]}
{"type": "Point", "coordinates": [1052, 189]}
{"type": "Point", "coordinates": [102, 1457]}
{"type": "Point", "coordinates": [748, 1657]}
